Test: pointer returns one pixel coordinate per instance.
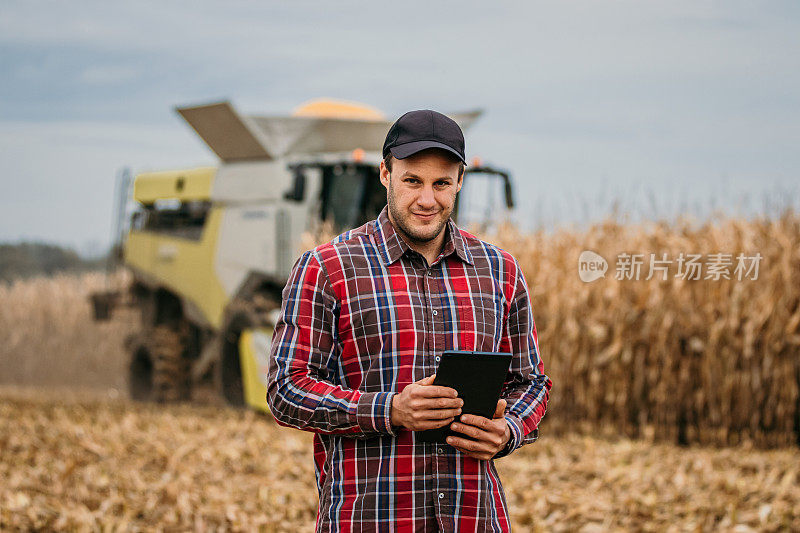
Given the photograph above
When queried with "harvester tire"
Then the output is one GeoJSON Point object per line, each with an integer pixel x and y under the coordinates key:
{"type": "Point", "coordinates": [241, 314]}
{"type": "Point", "coordinates": [140, 368]}
{"type": "Point", "coordinates": [171, 370]}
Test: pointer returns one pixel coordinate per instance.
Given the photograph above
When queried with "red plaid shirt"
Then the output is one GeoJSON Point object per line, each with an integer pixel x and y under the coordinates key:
{"type": "Point", "coordinates": [364, 316]}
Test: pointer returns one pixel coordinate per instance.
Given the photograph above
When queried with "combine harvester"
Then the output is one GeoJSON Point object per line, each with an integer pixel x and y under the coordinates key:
{"type": "Point", "coordinates": [210, 249]}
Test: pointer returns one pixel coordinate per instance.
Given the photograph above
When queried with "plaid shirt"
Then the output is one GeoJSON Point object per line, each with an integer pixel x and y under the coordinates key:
{"type": "Point", "coordinates": [364, 316]}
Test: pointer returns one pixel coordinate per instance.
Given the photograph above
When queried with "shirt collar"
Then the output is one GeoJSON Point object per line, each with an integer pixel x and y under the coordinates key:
{"type": "Point", "coordinates": [392, 246]}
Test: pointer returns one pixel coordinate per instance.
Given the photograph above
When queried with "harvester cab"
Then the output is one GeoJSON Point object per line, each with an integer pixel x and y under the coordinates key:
{"type": "Point", "coordinates": [210, 248]}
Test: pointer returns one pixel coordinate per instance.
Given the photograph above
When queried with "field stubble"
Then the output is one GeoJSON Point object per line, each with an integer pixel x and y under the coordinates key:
{"type": "Point", "coordinates": [79, 462]}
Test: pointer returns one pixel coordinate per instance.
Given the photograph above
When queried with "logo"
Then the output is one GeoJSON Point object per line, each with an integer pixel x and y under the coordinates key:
{"type": "Point", "coordinates": [591, 266]}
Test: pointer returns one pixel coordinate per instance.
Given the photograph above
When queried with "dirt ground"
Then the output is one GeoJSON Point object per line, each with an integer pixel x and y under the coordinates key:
{"type": "Point", "coordinates": [91, 461]}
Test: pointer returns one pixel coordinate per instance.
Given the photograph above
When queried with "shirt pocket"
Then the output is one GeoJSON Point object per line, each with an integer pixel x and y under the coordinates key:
{"type": "Point", "coordinates": [480, 324]}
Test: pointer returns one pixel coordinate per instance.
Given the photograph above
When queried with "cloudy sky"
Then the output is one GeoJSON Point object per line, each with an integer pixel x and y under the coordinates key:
{"type": "Point", "coordinates": [674, 106]}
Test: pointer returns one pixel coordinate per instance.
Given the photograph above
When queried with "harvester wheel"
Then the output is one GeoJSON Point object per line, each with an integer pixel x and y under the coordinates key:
{"type": "Point", "coordinates": [140, 369]}
{"type": "Point", "coordinates": [171, 370]}
{"type": "Point", "coordinates": [242, 314]}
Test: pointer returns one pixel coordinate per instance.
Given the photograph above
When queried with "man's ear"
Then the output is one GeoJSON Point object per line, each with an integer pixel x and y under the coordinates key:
{"type": "Point", "coordinates": [384, 174]}
{"type": "Point", "coordinates": [460, 182]}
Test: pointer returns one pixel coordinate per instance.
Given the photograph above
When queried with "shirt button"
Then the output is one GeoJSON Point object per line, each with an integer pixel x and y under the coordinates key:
{"type": "Point", "coordinates": [430, 272]}
{"type": "Point", "coordinates": [435, 312]}
{"type": "Point", "coordinates": [441, 495]}
{"type": "Point", "coordinates": [439, 450]}
{"type": "Point", "coordinates": [437, 358]}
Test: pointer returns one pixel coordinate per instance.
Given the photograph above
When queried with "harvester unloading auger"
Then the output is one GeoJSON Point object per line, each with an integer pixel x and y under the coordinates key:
{"type": "Point", "coordinates": [210, 248]}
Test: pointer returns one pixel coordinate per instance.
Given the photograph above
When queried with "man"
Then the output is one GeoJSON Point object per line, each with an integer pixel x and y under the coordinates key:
{"type": "Point", "coordinates": [363, 324]}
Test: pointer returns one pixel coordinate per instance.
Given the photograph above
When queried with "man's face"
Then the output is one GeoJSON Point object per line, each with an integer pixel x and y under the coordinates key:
{"type": "Point", "coordinates": [421, 193]}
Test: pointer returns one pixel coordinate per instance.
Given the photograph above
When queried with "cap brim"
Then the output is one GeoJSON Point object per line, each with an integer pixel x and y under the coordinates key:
{"type": "Point", "coordinates": [401, 151]}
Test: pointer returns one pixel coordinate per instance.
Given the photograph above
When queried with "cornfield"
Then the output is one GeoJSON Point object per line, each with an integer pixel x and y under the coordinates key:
{"type": "Point", "coordinates": [701, 363]}
{"type": "Point", "coordinates": [48, 338]}
{"type": "Point", "coordinates": [708, 361]}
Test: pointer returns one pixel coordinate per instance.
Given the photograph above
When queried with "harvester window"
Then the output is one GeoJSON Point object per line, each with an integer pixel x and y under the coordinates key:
{"type": "Point", "coordinates": [176, 218]}
{"type": "Point", "coordinates": [348, 185]}
{"type": "Point", "coordinates": [374, 198]}
{"type": "Point", "coordinates": [482, 201]}
{"type": "Point", "coordinates": [342, 190]}
{"type": "Point", "coordinates": [351, 194]}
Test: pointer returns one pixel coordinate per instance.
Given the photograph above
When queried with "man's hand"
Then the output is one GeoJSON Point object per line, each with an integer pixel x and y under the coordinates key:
{"type": "Point", "coordinates": [423, 405]}
{"type": "Point", "coordinates": [487, 437]}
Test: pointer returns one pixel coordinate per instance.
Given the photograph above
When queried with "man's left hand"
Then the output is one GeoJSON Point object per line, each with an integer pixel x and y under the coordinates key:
{"type": "Point", "coordinates": [486, 437]}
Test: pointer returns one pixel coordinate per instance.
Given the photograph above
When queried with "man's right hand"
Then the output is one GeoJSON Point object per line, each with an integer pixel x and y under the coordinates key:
{"type": "Point", "coordinates": [423, 405]}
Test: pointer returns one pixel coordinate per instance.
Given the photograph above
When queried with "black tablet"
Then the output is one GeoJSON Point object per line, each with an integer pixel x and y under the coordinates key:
{"type": "Point", "coordinates": [478, 377]}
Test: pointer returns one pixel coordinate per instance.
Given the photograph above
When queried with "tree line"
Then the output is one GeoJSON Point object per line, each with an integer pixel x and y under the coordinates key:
{"type": "Point", "coordinates": [31, 259]}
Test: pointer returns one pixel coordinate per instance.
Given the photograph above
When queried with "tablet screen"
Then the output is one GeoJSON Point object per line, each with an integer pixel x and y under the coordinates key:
{"type": "Point", "coordinates": [478, 377]}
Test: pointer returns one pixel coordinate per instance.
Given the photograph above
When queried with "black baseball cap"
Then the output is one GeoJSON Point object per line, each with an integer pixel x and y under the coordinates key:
{"type": "Point", "coordinates": [419, 130]}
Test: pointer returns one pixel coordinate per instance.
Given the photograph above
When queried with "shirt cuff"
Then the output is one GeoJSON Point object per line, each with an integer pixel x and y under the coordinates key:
{"type": "Point", "coordinates": [373, 413]}
{"type": "Point", "coordinates": [517, 437]}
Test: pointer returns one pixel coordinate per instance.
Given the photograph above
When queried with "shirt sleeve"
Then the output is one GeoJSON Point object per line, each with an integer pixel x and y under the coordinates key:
{"type": "Point", "coordinates": [527, 388]}
{"type": "Point", "coordinates": [304, 389]}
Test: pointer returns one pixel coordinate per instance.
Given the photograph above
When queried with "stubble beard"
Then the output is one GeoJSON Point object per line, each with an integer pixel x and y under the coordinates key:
{"type": "Point", "coordinates": [402, 224]}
